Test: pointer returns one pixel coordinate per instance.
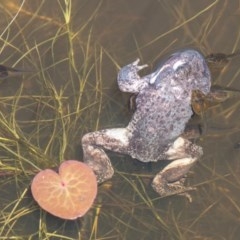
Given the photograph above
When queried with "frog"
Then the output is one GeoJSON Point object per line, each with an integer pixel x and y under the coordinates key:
{"type": "Point", "coordinates": [220, 58]}
{"type": "Point", "coordinates": [156, 129]}
{"type": "Point", "coordinates": [6, 72]}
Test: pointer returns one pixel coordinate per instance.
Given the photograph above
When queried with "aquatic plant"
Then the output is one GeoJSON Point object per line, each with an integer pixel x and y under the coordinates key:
{"type": "Point", "coordinates": [67, 194]}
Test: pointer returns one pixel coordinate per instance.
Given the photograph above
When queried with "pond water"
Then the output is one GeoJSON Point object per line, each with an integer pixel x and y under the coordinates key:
{"type": "Point", "coordinates": [74, 50]}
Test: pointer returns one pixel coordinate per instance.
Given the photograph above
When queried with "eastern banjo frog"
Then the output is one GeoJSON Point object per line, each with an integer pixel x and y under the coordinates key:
{"type": "Point", "coordinates": [163, 108]}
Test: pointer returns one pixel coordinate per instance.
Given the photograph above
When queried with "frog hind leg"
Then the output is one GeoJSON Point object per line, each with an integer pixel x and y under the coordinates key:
{"type": "Point", "coordinates": [170, 180]}
{"type": "Point", "coordinates": [94, 144]}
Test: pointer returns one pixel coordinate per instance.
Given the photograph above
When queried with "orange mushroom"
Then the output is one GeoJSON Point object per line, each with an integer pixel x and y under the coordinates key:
{"type": "Point", "coordinates": [67, 194]}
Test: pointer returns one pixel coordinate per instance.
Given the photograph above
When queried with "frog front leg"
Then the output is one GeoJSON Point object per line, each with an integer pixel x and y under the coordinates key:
{"type": "Point", "coordinates": [94, 144]}
{"type": "Point", "coordinates": [129, 80]}
{"type": "Point", "coordinates": [171, 179]}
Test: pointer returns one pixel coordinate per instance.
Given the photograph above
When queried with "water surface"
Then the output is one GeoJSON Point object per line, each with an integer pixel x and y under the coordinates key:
{"type": "Point", "coordinates": [75, 49]}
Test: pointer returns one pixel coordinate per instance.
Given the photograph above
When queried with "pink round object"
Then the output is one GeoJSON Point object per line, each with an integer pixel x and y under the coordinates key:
{"type": "Point", "coordinates": [68, 194]}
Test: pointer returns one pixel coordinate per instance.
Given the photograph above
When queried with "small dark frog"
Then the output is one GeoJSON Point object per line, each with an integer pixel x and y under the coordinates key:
{"type": "Point", "coordinates": [221, 58]}
{"type": "Point", "coordinates": [201, 102]}
{"type": "Point", "coordinates": [6, 72]}
{"type": "Point", "coordinates": [163, 108]}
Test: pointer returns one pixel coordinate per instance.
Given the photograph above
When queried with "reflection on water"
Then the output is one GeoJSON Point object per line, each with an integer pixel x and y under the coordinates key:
{"type": "Point", "coordinates": [75, 49]}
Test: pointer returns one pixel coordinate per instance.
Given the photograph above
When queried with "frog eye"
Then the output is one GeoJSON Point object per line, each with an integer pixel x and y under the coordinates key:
{"type": "Point", "coordinates": [178, 64]}
{"type": "Point", "coordinates": [183, 71]}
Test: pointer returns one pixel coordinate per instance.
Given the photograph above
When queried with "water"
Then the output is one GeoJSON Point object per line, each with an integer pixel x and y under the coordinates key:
{"type": "Point", "coordinates": [73, 91]}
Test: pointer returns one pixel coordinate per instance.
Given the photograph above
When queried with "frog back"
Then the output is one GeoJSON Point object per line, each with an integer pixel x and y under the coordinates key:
{"type": "Point", "coordinates": [159, 119]}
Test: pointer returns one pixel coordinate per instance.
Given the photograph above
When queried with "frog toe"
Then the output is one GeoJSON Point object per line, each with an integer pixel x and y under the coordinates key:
{"type": "Point", "coordinates": [170, 180]}
{"type": "Point", "coordinates": [164, 188]}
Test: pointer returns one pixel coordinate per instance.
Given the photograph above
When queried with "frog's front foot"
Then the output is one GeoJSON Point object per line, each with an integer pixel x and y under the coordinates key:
{"type": "Point", "coordinates": [129, 80]}
{"type": "Point", "coordinates": [133, 68]}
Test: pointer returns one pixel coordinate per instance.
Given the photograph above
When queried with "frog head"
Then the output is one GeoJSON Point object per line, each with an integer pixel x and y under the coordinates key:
{"type": "Point", "coordinates": [186, 70]}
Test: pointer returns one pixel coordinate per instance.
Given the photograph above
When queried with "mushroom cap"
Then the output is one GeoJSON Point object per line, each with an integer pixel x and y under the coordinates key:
{"type": "Point", "coordinates": [67, 194]}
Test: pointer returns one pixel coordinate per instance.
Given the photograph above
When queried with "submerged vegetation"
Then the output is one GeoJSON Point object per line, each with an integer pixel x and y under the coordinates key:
{"type": "Point", "coordinates": [43, 114]}
{"type": "Point", "coordinates": [71, 90]}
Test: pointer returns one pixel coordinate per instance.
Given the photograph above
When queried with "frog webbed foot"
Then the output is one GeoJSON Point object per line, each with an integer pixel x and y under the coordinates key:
{"type": "Point", "coordinates": [165, 183]}
{"type": "Point", "coordinates": [170, 180]}
{"type": "Point", "coordinates": [94, 145]}
{"type": "Point", "coordinates": [99, 162]}
{"type": "Point", "coordinates": [96, 158]}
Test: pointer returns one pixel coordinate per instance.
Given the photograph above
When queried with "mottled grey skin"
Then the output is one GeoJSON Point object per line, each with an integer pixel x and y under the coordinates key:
{"type": "Point", "coordinates": [163, 108]}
